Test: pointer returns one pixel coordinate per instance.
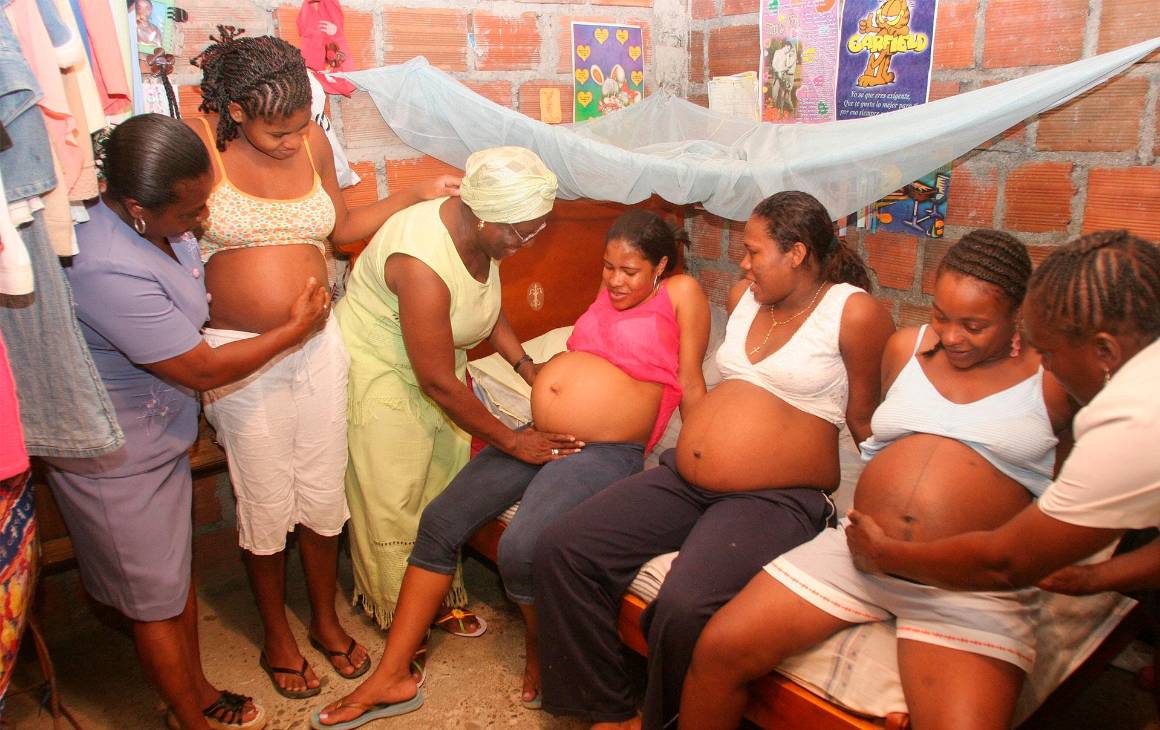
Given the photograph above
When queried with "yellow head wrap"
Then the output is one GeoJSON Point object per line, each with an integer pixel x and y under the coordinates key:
{"type": "Point", "coordinates": [507, 185]}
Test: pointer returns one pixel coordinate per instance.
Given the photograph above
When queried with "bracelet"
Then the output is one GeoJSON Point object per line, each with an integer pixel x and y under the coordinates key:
{"type": "Point", "coordinates": [526, 358]}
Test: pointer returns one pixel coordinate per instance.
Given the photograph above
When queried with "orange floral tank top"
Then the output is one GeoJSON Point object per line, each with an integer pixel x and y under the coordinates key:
{"type": "Point", "coordinates": [240, 220]}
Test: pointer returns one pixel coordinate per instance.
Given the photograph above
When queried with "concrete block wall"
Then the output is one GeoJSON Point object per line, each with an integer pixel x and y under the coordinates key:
{"type": "Point", "coordinates": [521, 47]}
{"type": "Point", "coordinates": [1089, 165]}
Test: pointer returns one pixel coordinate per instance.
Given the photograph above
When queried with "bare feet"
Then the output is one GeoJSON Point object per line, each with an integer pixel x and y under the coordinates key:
{"type": "Point", "coordinates": [376, 690]}
{"type": "Point", "coordinates": [334, 642]}
{"type": "Point", "coordinates": [287, 656]}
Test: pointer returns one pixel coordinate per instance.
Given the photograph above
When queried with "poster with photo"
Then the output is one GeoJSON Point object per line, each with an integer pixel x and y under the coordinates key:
{"type": "Point", "coordinates": [799, 60]}
{"type": "Point", "coordinates": [154, 30]}
{"type": "Point", "coordinates": [884, 59]}
{"type": "Point", "coordinates": [607, 68]}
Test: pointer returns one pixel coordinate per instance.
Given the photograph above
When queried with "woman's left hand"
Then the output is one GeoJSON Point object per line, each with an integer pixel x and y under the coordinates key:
{"type": "Point", "coordinates": [440, 187]}
{"type": "Point", "coordinates": [865, 538]}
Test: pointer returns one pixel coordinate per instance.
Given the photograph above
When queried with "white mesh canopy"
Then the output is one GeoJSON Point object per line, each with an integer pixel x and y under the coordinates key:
{"type": "Point", "coordinates": [687, 154]}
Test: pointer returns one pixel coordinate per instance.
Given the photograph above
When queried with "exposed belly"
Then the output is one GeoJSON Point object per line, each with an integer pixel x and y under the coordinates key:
{"type": "Point", "coordinates": [584, 395]}
{"type": "Point", "coordinates": [741, 437]}
{"type": "Point", "coordinates": [925, 487]}
{"type": "Point", "coordinates": [252, 289]}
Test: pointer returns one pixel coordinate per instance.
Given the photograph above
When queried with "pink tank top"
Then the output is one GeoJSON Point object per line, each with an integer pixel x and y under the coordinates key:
{"type": "Point", "coordinates": [643, 341]}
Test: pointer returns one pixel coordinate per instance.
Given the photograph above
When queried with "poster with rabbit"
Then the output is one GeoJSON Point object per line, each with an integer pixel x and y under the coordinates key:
{"type": "Point", "coordinates": [799, 60]}
{"type": "Point", "coordinates": [607, 68]}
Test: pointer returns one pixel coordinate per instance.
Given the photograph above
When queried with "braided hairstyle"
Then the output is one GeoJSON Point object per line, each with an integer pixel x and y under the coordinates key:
{"type": "Point", "coordinates": [1102, 282]}
{"type": "Point", "coordinates": [993, 257]}
{"type": "Point", "coordinates": [791, 216]}
{"type": "Point", "coordinates": [265, 75]}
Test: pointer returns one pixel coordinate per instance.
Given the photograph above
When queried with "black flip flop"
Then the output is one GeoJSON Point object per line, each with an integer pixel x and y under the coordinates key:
{"type": "Point", "coordinates": [293, 694]}
{"type": "Point", "coordinates": [359, 671]}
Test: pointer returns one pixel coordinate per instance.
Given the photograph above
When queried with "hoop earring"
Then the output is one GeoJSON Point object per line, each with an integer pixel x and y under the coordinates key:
{"type": "Point", "coordinates": [1016, 344]}
{"type": "Point", "coordinates": [139, 226]}
{"type": "Point", "coordinates": [656, 279]}
{"type": "Point", "coordinates": [479, 226]}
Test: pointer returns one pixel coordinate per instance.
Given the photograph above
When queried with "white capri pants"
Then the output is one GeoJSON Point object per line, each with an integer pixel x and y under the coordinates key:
{"type": "Point", "coordinates": [998, 624]}
{"type": "Point", "coordinates": [284, 432]}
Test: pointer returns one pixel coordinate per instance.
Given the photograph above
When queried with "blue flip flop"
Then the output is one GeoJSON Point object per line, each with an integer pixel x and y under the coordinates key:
{"type": "Point", "coordinates": [371, 713]}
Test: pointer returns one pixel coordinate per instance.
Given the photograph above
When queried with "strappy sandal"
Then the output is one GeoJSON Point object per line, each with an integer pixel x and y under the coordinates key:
{"type": "Point", "coordinates": [454, 622]}
{"type": "Point", "coordinates": [223, 712]}
{"type": "Point", "coordinates": [293, 694]}
{"type": "Point", "coordinates": [359, 671]}
{"type": "Point", "coordinates": [369, 712]}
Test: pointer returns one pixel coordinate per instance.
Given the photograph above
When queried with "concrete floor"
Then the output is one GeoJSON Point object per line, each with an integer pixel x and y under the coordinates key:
{"type": "Point", "coordinates": [472, 683]}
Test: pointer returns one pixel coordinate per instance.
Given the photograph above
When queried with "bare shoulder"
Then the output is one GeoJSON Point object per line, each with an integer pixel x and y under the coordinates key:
{"type": "Point", "coordinates": [684, 289]}
{"type": "Point", "coordinates": [865, 319]}
{"type": "Point", "coordinates": [316, 138]}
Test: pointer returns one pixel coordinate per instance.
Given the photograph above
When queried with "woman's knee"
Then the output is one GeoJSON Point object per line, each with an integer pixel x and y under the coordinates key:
{"type": "Point", "coordinates": [438, 539]}
{"type": "Point", "coordinates": [726, 648]}
{"type": "Point", "coordinates": [515, 558]}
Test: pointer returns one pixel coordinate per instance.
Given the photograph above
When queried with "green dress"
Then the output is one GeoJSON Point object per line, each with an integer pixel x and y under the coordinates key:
{"type": "Point", "coordinates": [403, 449]}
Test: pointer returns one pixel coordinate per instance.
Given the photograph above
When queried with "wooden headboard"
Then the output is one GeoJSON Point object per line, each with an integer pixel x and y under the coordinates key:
{"type": "Point", "coordinates": [551, 283]}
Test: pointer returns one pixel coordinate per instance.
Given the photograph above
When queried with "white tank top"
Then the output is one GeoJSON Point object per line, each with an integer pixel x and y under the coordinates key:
{"type": "Point", "coordinates": [807, 372]}
{"type": "Point", "coordinates": [1010, 429]}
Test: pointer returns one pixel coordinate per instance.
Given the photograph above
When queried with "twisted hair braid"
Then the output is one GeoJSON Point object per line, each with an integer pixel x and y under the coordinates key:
{"type": "Point", "coordinates": [990, 256]}
{"type": "Point", "coordinates": [1102, 282]}
{"type": "Point", "coordinates": [995, 257]}
{"type": "Point", "coordinates": [265, 75]}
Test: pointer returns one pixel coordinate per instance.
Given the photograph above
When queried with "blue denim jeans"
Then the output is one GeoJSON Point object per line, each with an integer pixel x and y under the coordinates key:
{"type": "Point", "coordinates": [494, 481]}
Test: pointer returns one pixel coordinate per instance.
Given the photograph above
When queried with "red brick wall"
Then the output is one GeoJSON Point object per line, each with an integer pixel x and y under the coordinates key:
{"type": "Point", "coordinates": [517, 52]}
{"type": "Point", "coordinates": [1088, 165]}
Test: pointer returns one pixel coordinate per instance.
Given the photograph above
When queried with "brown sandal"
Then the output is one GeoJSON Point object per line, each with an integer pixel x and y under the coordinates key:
{"type": "Point", "coordinates": [359, 671]}
{"type": "Point", "coordinates": [293, 694]}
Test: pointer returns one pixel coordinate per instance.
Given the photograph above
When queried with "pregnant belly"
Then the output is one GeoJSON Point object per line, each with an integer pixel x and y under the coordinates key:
{"type": "Point", "coordinates": [925, 487]}
{"type": "Point", "coordinates": [588, 397]}
{"type": "Point", "coordinates": [252, 289]}
{"type": "Point", "coordinates": [741, 437]}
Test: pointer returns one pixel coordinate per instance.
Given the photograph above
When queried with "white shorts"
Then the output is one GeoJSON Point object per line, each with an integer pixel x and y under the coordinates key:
{"type": "Point", "coordinates": [998, 624]}
{"type": "Point", "coordinates": [284, 431]}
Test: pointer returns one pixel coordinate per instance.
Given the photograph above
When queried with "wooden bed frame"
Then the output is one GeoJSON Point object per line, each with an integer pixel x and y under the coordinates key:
{"type": "Point", "coordinates": [561, 274]}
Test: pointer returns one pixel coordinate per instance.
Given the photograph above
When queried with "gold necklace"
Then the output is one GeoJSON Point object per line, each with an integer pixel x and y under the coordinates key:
{"type": "Point", "coordinates": [775, 323]}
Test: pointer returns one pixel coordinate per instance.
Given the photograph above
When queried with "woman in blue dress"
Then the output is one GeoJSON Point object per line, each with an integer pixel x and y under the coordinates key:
{"type": "Point", "coordinates": [141, 302]}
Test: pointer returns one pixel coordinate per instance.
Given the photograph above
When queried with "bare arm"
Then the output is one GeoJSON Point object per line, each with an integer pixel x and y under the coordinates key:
{"type": "Point", "coordinates": [356, 224]}
{"type": "Point", "coordinates": [424, 303]}
{"type": "Point", "coordinates": [503, 338]}
{"type": "Point", "coordinates": [205, 367]}
{"type": "Point", "coordinates": [1138, 570]}
{"type": "Point", "coordinates": [1026, 549]}
{"type": "Point", "coordinates": [865, 328]}
{"type": "Point", "coordinates": [692, 310]}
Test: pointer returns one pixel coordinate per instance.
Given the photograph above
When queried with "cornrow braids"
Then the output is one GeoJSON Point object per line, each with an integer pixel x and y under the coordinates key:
{"type": "Point", "coordinates": [995, 257]}
{"type": "Point", "coordinates": [1102, 282]}
{"type": "Point", "coordinates": [265, 75]}
{"type": "Point", "coordinates": [990, 256]}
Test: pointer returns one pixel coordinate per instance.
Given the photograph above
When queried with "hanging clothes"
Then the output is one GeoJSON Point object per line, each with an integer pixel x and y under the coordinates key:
{"type": "Point", "coordinates": [321, 28]}
{"type": "Point", "coordinates": [64, 408]}
{"type": "Point", "coordinates": [106, 57]}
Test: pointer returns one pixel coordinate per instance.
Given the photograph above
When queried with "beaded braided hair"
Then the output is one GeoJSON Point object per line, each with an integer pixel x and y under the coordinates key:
{"type": "Point", "coordinates": [1102, 282]}
{"type": "Point", "coordinates": [265, 75]}
{"type": "Point", "coordinates": [993, 257]}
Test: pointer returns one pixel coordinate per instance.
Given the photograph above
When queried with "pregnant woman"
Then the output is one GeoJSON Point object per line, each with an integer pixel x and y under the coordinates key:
{"type": "Point", "coordinates": [964, 440]}
{"type": "Point", "coordinates": [747, 481]}
{"type": "Point", "coordinates": [633, 357]}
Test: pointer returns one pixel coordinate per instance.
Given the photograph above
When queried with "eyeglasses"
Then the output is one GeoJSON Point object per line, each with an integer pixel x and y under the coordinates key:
{"type": "Point", "coordinates": [524, 239]}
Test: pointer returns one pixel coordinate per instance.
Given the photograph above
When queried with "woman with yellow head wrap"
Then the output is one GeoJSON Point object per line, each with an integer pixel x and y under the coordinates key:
{"type": "Point", "coordinates": [424, 292]}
